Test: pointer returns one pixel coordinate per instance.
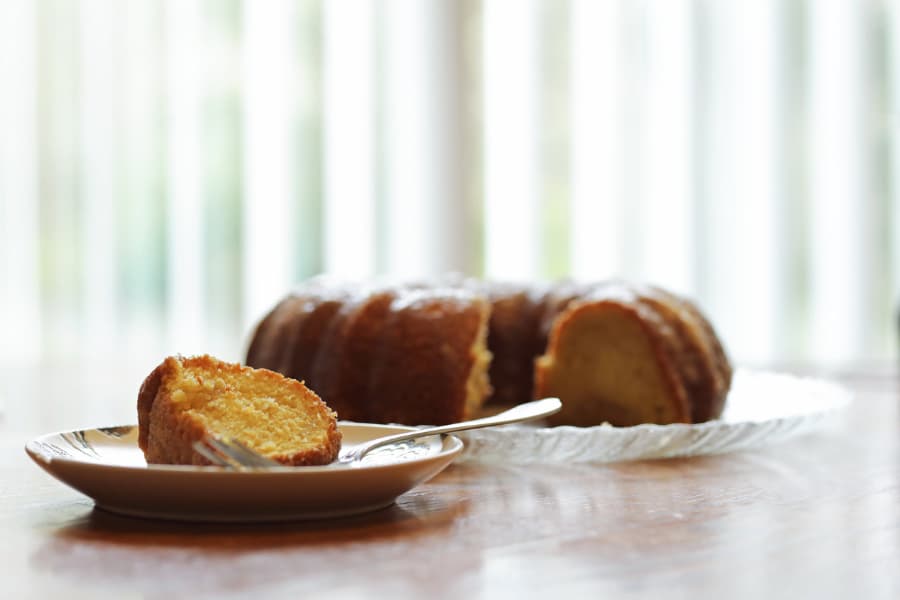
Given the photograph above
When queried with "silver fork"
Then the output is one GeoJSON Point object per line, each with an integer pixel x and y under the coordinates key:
{"type": "Point", "coordinates": [231, 453]}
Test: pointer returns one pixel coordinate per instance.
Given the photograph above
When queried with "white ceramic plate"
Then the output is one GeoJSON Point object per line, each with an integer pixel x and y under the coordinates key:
{"type": "Point", "coordinates": [107, 465]}
{"type": "Point", "coordinates": [763, 408]}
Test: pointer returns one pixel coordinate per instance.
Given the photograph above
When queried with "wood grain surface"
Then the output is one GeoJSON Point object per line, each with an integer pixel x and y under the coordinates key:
{"type": "Point", "coordinates": [818, 516]}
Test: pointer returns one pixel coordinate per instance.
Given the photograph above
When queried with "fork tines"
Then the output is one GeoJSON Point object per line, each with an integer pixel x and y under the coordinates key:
{"type": "Point", "coordinates": [231, 453]}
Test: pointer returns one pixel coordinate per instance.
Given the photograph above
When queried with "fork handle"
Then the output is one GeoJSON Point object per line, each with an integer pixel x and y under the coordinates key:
{"type": "Point", "coordinates": [517, 414]}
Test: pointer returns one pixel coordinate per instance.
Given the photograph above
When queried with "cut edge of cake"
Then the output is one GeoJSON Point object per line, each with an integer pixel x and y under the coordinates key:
{"type": "Point", "coordinates": [186, 398]}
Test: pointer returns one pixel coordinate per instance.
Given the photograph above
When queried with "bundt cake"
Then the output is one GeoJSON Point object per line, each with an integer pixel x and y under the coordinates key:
{"type": "Point", "coordinates": [408, 354]}
{"type": "Point", "coordinates": [437, 353]}
{"type": "Point", "coordinates": [184, 399]}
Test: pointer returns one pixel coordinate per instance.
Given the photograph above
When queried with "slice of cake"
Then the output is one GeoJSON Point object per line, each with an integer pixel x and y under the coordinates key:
{"type": "Point", "coordinates": [184, 399]}
{"type": "Point", "coordinates": [615, 359]}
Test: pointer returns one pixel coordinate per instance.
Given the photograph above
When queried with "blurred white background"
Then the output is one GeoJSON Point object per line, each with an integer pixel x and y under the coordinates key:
{"type": "Point", "coordinates": [168, 168]}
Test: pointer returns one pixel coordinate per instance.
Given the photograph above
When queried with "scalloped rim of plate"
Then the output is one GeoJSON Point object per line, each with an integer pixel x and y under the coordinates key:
{"type": "Point", "coordinates": [526, 443]}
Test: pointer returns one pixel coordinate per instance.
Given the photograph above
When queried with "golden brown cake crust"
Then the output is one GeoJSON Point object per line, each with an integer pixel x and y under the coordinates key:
{"type": "Point", "coordinates": [416, 381]}
{"type": "Point", "coordinates": [271, 338]}
{"type": "Point", "coordinates": [367, 338]}
{"type": "Point", "coordinates": [705, 367]}
{"type": "Point", "coordinates": [166, 432]}
{"type": "Point", "coordinates": [342, 371]}
{"type": "Point", "coordinates": [369, 350]}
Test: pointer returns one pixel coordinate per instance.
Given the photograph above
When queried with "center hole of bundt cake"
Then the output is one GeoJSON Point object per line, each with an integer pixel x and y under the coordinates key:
{"type": "Point", "coordinates": [606, 369]}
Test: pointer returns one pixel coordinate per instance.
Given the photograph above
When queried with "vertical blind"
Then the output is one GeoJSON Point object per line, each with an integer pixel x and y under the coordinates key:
{"type": "Point", "coordinates": [168, 168]}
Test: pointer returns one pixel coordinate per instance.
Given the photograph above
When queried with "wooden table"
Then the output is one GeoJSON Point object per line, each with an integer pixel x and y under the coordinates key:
{"type": "Point", "coordinates": [818, 516]}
